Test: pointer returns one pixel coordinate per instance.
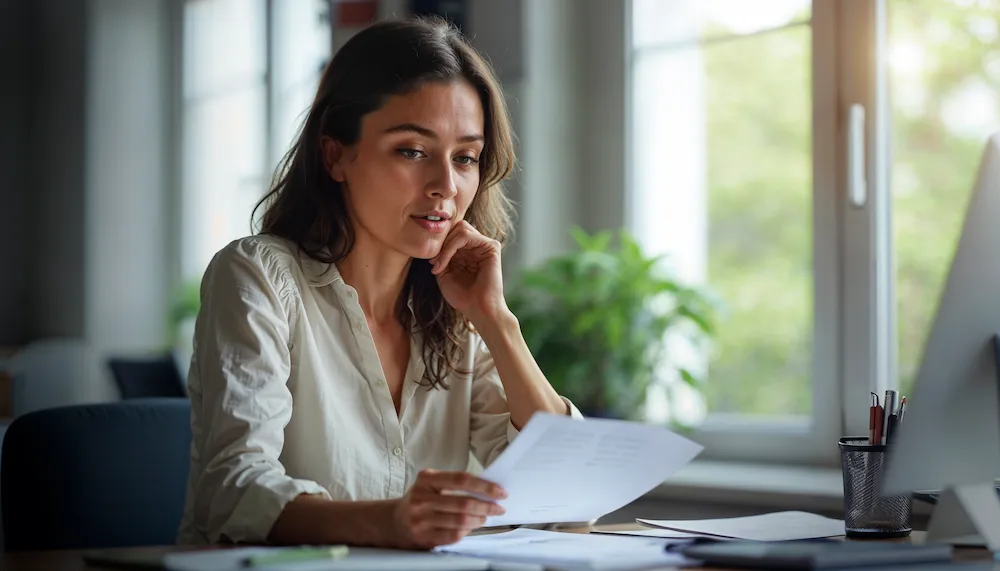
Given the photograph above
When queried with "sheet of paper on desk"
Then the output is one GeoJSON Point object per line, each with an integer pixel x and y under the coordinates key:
{"type": "Point", "coordinates": [563, 470]}
{"type": "Point", "coordinates": [658, 533]}
{"type": "Point", "coordinates": [779, 526]}
{"type": "Point", "coordinates": [359, 559]}
{"type": "Point", "coordinates": [569, 551]}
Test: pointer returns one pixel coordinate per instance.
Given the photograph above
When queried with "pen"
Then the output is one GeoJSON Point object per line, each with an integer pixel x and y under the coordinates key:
{"type": "Point", "coordinates": [871, 419]}
{"type": "Point", "coordinates": [878, 425]}
{"type": "Point", "coordinates": [902, 409]}
{"type": "Point", "coordinates": [890, 428]}
{"type": "Point", "coordinates": [888, 410]}
{"type": "Point", "coordinates": [295, 555]}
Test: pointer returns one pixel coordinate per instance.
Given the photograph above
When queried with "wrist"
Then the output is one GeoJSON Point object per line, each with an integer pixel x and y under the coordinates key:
{"type": "Point", "coordinates": [495, 324]}
{"type": "Point", "coordinates": [389, 534]}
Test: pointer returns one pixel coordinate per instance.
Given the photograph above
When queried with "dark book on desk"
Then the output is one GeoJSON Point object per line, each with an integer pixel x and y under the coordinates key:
{"type": "Point", "coordinates": [813, 554]}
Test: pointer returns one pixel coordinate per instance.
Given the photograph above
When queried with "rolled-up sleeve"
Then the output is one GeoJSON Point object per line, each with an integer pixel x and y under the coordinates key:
{"type": "Point", "coordinates": [241, 403]}
{"type": "Point", "coordinates": [491, 429]}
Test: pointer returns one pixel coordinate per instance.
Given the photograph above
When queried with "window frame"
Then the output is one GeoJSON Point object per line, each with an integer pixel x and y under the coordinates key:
{"type": "Point", "coordinates": [852, 286]}
{"type": "Point", "coordinates": [273, 145]}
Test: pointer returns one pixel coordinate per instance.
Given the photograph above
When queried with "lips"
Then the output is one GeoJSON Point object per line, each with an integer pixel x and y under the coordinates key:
{"type": "Point", "coordinates": [434, 215]}
{"type": "Point", "coordinates": [431, 223]}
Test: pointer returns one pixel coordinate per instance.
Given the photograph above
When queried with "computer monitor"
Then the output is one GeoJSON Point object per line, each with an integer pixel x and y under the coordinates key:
{"type": "Point", "coordinates": [950, 434]}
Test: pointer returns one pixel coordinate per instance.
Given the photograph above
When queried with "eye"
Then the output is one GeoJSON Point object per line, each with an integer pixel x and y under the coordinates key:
{"type": "Point", "coordinates": [412, 154]}
{"type": "Point", "coordinates": [466, 161]}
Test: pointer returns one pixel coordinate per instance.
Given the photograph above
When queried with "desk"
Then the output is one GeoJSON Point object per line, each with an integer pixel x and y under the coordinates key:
{"type": "Point", "coordinates": [73, 560]}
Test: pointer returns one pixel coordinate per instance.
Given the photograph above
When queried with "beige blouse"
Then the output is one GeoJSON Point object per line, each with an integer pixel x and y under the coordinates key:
{"type": "Point", "coordinates": [288, 397]}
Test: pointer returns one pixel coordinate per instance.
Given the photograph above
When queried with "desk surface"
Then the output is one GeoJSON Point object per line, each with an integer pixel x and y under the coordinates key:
{"type": "Point", "coordinates": [71, 560]}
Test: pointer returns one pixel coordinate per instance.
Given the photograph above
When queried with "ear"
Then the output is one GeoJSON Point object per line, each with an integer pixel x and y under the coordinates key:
{"type": "Point", "coordinates": [333, 157]}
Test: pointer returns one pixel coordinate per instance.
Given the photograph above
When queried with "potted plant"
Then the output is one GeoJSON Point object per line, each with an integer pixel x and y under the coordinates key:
{"type": "Point", "coordinates": [598, 319]}
{"type": "Point", "coordinates": [183, 312]}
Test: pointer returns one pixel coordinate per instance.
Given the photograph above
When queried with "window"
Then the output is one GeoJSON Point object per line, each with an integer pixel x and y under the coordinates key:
{"type": "Point", "coordinates": [746, 123]}
{"type": "Point", "coordinates": [736, 174]}
{"type": "Point", "coordinates": [250, 69]}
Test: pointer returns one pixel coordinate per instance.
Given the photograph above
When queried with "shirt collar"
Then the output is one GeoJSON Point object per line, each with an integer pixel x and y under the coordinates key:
{"type": "Point", "coordinates": [318, 273]}
{"type": "Point", "coordinates": [322, 274]}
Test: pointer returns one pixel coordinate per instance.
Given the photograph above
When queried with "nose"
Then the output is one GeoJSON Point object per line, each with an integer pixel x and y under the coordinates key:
{"type": "Point", "coordinates": [443, 182]}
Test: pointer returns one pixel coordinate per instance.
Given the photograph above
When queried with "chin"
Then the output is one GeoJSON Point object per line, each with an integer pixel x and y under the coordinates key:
{"type": "Point", "coordinates": [424, 251]}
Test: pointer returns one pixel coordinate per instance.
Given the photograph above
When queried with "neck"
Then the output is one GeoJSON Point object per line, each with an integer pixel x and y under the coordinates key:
{"type": "Point", "coordinates": [378, 275]}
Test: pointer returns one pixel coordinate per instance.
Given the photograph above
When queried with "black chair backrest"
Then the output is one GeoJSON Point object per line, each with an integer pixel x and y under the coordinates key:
{"type": "Point", "coordinates": [150, 377]}
{"type": "Point", "coordinates": [96, 476]}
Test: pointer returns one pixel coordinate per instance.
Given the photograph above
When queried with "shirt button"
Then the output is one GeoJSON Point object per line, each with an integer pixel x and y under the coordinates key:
{"type": "Point", "coordinates": [397, 451]}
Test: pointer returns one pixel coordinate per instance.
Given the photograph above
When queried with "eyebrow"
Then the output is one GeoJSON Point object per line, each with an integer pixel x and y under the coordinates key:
{"type": "Point", "coordinates": [425, 132]}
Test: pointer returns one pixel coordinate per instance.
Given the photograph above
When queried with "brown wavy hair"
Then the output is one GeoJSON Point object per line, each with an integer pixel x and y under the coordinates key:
{"type": "Point", "coordinates": [306, 206]}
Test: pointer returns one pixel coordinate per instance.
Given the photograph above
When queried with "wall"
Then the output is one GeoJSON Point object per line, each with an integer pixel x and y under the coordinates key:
{"type": "Point", "coordinates": [15, 314]}
{"type": "Point", "coordinates": [563, 64]}
{"type": "Point", "coordinates": [83, 171]}
{"type": "Point", "coordinates": [127, 152]}
{"type": "Point", "coordinates": [56, 166]}
{"type": "Point", "coordinates": [552, 129]}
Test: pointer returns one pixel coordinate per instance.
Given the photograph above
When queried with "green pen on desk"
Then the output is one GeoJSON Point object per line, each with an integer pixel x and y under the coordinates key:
{"type": "Point", "coordinates": [295, 555]}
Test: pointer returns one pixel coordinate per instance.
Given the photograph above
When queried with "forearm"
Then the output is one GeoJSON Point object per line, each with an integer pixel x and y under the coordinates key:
{"type": "Point", "coordinates": [528, 391]}
{"type": "Point", "coordinates": [315, 520]}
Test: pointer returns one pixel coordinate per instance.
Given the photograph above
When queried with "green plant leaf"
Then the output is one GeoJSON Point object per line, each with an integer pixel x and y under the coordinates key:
{"type": "Point", "coordinates": [596, 320]}
{"type": "Point", "coordinates": [689, 378]}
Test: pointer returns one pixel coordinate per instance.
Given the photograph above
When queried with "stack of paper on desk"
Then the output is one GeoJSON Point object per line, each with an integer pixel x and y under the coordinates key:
{"type": "Point", "coordinates": [568, 551]}
{"type": "Point", "coordinates": [562, 470]}
{"type": "Point", "coordinates": [780, 526]}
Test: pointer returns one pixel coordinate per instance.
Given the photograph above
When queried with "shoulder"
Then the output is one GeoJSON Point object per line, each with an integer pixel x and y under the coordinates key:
{"type": "Point", "coordinates": [270, 256]}
{"type": "Point", "coordinates": [255, 265]}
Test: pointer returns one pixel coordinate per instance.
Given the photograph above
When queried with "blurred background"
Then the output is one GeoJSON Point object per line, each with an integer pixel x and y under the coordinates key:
{"type": "Point", "coordinates": [136, 136]}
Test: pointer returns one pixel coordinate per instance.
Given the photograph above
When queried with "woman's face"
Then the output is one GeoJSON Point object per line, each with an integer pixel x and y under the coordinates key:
{"type": "Point", "coordinates": [415, 168]}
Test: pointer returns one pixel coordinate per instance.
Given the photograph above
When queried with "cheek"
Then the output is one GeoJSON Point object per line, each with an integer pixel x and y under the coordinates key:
{"type": "Point", "coordinates": [464, 198]}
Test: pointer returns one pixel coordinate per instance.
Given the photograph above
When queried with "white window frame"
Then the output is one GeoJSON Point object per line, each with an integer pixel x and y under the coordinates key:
{"type": "Point", "coordinates": [275, 131]}
{"type": "Point", "coordinates": [852, 286]}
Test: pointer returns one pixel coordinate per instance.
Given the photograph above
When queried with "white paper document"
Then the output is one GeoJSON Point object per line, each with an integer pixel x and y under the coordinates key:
{"type": "Point", "coordinates": [569, 551]}
{"type": "Point", "coordinates": [358, 559]}
{"type": "Point", "coordinates": [779, 526]}
{"type": "Point", "coordinates": [560, 469]}
{"type": "Point", "coordinates": [658, 533]}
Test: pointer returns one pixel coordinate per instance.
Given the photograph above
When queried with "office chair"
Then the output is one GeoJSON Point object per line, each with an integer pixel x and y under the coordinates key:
{"type": "Point", "coordinates": [59, 372]}
{"type": "Point", "coordinates": [96, 475]}
{"type": "Point", "coordinates": [149, 377]}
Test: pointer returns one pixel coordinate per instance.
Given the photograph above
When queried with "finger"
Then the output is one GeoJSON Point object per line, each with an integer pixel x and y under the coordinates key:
{"type": "Point", "coordinates": [442, 520]}
{"type": "Point", "coordinates": [465, 505]}
{"type": "Point", "coordinates": [448, 251]}
{"type": "Point", "coordinates": [461, 481]}
{"type": "Point", "coordinates": [461, 228]}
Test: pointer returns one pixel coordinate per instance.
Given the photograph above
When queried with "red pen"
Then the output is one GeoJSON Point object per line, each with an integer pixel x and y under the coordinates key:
{"type": "Point", "coordinates": [871, 421]}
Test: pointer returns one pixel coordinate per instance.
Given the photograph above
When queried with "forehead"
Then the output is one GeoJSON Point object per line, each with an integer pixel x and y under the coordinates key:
{"type": "Point", "coordinates": [449, 109]}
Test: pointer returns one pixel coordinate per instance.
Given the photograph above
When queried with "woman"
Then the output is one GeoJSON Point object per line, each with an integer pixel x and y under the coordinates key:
{"type": "Point", "coordinates": [350, 357]}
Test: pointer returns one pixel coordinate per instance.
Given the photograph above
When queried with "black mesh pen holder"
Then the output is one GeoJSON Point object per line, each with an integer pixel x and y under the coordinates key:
{"type": "Point", "coordinates": [867, 513]}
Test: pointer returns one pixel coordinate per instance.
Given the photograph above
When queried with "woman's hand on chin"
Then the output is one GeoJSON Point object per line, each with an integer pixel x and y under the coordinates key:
{"type": "Point", "coordinates": [469, 273]}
